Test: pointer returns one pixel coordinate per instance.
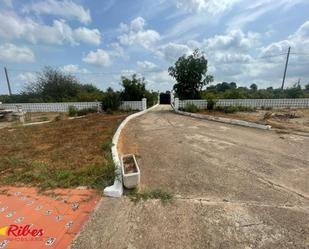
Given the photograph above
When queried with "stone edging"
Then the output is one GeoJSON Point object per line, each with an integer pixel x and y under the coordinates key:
{"type": "Point", "coordinates": [116, 189]}
{"type": "Point", "coordinates": [225, 120]}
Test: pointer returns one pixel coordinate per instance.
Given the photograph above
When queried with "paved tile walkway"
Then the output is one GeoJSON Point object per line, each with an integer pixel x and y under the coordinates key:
{"type": "Point", "coordinates": [59, 213]}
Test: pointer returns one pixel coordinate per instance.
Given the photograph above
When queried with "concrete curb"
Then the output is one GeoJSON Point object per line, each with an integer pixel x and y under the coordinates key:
{"type": "Point", "coordinates": [225, 120]}
{"type": "Point", "coordinates": [116, 189]}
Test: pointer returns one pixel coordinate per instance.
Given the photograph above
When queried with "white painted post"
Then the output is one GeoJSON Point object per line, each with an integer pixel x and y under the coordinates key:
{"type": "Point", "coordinates": [144, 104]}
{"type": "Point", "coordinates": [172, 97]}
{"type": "Point", "coordinates": [98, 106]}
{"type": "Point", "coordinates": [176, 100]}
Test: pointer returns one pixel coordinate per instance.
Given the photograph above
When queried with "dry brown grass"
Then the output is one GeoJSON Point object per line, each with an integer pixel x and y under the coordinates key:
{"type": "Point", "coordinates": [301, 123]}
{"type": "Point", "coordinates": [65, 149]}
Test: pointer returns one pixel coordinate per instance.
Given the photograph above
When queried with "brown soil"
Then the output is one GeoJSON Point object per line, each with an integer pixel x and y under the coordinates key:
{"type": "Point", "coordinates": [129, 165]}
{"type": "Point", "coordinates": [65, 144]}
{"type": "Point", "coordinates": [289, 119]}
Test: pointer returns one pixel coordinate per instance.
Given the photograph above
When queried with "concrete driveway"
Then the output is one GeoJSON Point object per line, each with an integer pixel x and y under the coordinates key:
{"type": "Point", "coordinates": [234, 187]}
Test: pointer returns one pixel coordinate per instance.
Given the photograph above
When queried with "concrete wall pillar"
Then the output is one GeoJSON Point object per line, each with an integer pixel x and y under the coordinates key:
{"type": "Point", "coordinates": [176, 103]}
{"type": "Point", "coordinates": [144, 104]}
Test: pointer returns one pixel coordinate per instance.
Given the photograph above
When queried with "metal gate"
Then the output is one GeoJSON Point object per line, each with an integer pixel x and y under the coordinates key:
{"type": "Point", "coordinates": [165, 98]}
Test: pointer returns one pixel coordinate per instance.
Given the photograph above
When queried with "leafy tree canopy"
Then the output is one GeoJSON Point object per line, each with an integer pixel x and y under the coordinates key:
{"type": "Point", "coordinates": [190, 72]}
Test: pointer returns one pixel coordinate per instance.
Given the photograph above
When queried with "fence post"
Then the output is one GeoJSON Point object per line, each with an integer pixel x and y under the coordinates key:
{"type": "Point", "coordinates": [172, 98]}
{"type": "Point", "coordinates": [176, 101]}
{"type": "Point", "coordinates": [99, 109]}
{"type": "Point", "coordinates": [144, 104]}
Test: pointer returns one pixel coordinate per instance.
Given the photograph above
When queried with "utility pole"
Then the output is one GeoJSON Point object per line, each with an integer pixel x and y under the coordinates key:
{"type": "Point", "coordinates": [286, 67]}
{"type": "Point", "coordinates": [7, 80]}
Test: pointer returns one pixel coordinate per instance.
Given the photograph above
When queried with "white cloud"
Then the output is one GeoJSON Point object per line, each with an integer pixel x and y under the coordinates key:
{"type": "Point", "coordinates": [135, 34]}
{"type": "Point", "coordinates": [235, 40]}
{"type": "Point", "coordinates": [299, 41]}
{"type": "Point", "coordinates": [11, 53]}
{"type": "Point", "coordinates": [160, 80]}
{"type": "Point", "coordinates": [211, 6]}
{"type": "Point", "coordinates": [73, 68]}
{"type": "Point", "coordinates": [65, 9]}
{"type": "Point", "coordinates": [15, 27]}
{"type": "Point", "coordinates": [138, 24]}
{"type": "Point", "coordinates": [91, 36]}
{"type": "Point", "coordinates": [99, 57]}
{"type": "Point", "coordinates": [26, 77]}
{"type": "Point", "coordinates": [254, 10]}
{"type": "Point", "coordinates": [146, 65]}
{"type": "Point", "coordinates": [172, 51]}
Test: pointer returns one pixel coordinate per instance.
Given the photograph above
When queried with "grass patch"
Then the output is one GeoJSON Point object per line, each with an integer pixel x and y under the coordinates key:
{"type": "Point", "coordinates": [45, 177]}
{"type": "Point", "coordinates": [138, 195]}
{"type": "Point", "coordinates": [73, 111]}
{"type": "Point", "coordinates": [191, 108]}
{"type": "Point", "coordinates": [107, 145]}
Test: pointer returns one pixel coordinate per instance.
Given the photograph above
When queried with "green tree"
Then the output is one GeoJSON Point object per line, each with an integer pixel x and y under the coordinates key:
{"type": "Point", "coordinates": [134, 89]}
{"type": "Point", "coordinates": [253, 87]}
{"type": "Point", "coordinates": [52, 85]}
{"type": "Point", "coordinates": [190, 72]}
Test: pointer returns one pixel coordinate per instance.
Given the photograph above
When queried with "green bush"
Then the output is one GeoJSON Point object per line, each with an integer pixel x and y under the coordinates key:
{"type": "Point", "coordinates": [267, 108]}
{"type": "Point", "coordinates": [86, 111]}
{"type": "Point", "coordinates": [111, 101]}
{"type": "Point", "coordinates": [191, 108]}
{"type": "Point", "coordinates": [211, 104]}
{"type": "Point", "coordinates": [72, 111]}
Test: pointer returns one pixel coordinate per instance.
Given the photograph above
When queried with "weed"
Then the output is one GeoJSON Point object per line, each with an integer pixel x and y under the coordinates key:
{"type": "Point", "coordinates": [267, 108]}
{"type": "Point", "coordinates": [43, 119]}
{"type": "Point", "coordinates": [60, 117]}
{"type": "Point", "coordinates": [109, 111]}
{"type": "Point", "coordinates": [86, 111]}
{"type": "Point", "coordinates": [106, 146]}
{"type": "Point", "coordinates": [136, 195]}
{"type": "Point", "coordinates": [45, 177]}
{"type": "Point", "coordinates": [191, 108]}
{"type": "Point", "coordinates": [72, 111]}
{"type": "Point", "coordinates": [233, 109]}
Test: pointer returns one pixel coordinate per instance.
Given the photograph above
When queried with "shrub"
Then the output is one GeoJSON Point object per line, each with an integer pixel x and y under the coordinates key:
{"type": "Point", "coordinates": [191, 108]}
{"type": "Point", "coordinates": [233, 109]}
{"type": "Point", "coordinates": [267, 108]}
{"type": "Point", "coordinates": [211, 104]}
{"type": "Point", "coordinates": [111, 100]}
{"type": "Point", "coordinates": [86, 111]}
{"type": "Point", "coordinates": [72, 111]}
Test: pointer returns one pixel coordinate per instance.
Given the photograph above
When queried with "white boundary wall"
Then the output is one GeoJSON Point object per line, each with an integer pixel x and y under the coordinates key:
{"type": "Point", "coordinates": [133, 105]}
{"type": "Point", "coordinates": [257, 103]}
{"type": "Point", "coordinates": [64, 106]}
{"type": "Point", "coordinates": [50, 107]}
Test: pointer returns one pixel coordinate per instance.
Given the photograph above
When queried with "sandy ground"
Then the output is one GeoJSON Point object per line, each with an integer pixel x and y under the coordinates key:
{"type": "Point", "coordinates": [288, 119]}
{"type": "Point", "coordinates": [234, 187]}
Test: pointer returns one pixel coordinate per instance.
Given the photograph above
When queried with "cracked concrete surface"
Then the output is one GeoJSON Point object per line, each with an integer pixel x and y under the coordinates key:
{"type": "Point", "coordinates": [234, 187]}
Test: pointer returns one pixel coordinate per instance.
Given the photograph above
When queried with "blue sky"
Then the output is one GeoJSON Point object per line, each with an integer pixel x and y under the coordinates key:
{"type": "Point", "coordinates": [98, 41]}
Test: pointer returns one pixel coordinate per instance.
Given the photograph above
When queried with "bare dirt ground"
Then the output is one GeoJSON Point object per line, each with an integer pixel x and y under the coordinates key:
{"type": "Point", "coordinates": [288, 119]}
{"type": "Point", "coordinates": [234, 187]}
